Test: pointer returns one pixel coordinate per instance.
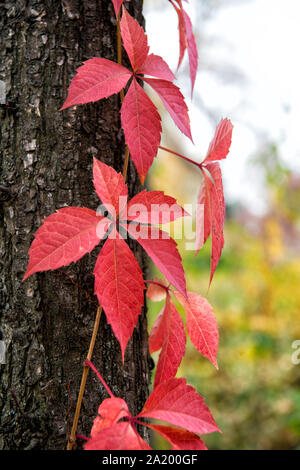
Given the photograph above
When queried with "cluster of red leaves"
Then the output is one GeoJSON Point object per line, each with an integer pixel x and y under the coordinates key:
{"type": "Point", "coordinates": [100, 78]}
{"type": "Point", "coordinates": [172, 401]}
{"type": "Point", "coordinates": [168, 332]}
{"type": "Point", "coordinates": [186, 40]}
{"type": "Point", "coordinates": [72, 232]}
{"type": "Point", "coordinates": [186, 37]}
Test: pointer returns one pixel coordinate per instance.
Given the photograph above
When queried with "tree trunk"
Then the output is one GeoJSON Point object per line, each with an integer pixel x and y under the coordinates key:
{"type": "Point", "coordinates": [46, 164]}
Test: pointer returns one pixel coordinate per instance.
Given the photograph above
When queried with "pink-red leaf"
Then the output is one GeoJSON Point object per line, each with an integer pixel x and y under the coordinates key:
{"type": "Point", "coordinates": [201, 325]}
{"type": "Point", "coordinates": [220, 144]}
{"type": "Point", "coordinates": [110, 412]}
{"type": "Point", "coordinates": [117, 5]}
{"type": "Point", "coordinates": [154, 207]}
{"type": "Point", "coordinates": [192, 48]}
{"type": "Point", "coordinates": [163, 251]}
{"type": "Point", "coordinates": [179, 438]}
{"type": "Point", "coordinates": [203, 221]}
{"type": "Point", "coordinates": [174, 103]}
{"type": "Point", "coordinates": [119, 287]}
{"type": "Point", "coordinates": [120, 436]}
{"type": "Point", "coordinates": [142, 128]}
{"type": "Point", "coordinates": [96, 79]}
{"type": "Point", "coordinates": [179, 404]}
{"type": "Point", "coordinates": [216, 212]}
{"type": "Point", "coordinates": [155, 66]}
{"type": "Point", "coordinates": [110, 187]}
{"type": "Point", "coordinates": [64, 237]}
{"type": "Point", "coordinates": [134, 40]}
{"type": "Point", "coordinates": [157, 334]}
{"type": "Point", "coordinates": [173, 346]}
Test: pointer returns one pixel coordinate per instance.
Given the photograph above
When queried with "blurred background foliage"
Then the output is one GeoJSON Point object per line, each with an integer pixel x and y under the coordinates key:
{"type": "Point", "coordinates": [255, 293]}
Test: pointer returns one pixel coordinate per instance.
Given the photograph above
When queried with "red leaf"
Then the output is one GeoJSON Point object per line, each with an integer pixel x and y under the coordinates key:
{"type": "Point", "coordinates": [214, 201]}
{"type": "Point", "coordinates": [163, 251]}
{"type": "Point", "coordinates": [155, 291]}
{"type": "Point", "coordinates": [142, 128]}
{"type": "Point", "coordinates": [192, 48]}
{"type": "Point", "coordinates": [64, 237]}
{"type": "Point", "coordinates": [182, 32]}
{"type": "Point", "coordinates": [220, 144]}
{"type": "Point", "coordinates": [201, 325]}
{"type": "Point", "coordinates": [154, 207]}
{"type": "Point", "coordinates": [117, 5]}
{"type": "Point", "coordinates": [72, 232]}
{"type": "Point", "coordinates": [110, 187]}
{"type": "Point", "coordinates": [203, 222]}
{"type": "Point", "coordinates": [134, 40]}
{"type": "Point", "coordinates": [179, 404]}
{"type": "Point", "coordinates": [179, 438]}
{"type": "Point", "coordinates": [174, 102]}
{"type": "Point", "coordinates": [173, 346]}
{"type": "Point", "coordinates": [96, 79]}
{"type": "Point", "coordinates": [120, 436]}
{"type": "Point", "coordinates": [155, 66]}
{"type": "Point", "coordinates": [110, 412]}
{"type": "Point", "coordinates": [186, 41]}
{"type": "Point", "coordinates": [119, 287]}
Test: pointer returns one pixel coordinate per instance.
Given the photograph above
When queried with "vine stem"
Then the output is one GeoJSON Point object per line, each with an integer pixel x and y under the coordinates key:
{"type": "Point", "coordinates": [179, 155]}
{"type": "Point", "coordinates": [72, 438]}
{"type": "Point", "coordinates": [86, 367]}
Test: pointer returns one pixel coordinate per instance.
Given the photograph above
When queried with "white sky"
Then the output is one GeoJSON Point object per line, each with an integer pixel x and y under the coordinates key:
{"type": "Point", "coordinates": [260, 39]}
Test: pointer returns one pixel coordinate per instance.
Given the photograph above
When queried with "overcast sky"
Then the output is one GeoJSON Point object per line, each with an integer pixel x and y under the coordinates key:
{"type": "Point", "coordinates": [260, 40]}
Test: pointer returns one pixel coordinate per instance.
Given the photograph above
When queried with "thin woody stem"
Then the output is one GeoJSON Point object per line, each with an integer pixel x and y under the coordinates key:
{"type": "Point", "coordinates": [85, 372]}
{"type": "Point", "coordinates": [18, 404]}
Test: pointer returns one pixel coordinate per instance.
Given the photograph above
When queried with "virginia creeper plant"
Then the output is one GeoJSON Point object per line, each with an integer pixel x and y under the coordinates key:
{"type": "Point", "coordinates": [71, 232]}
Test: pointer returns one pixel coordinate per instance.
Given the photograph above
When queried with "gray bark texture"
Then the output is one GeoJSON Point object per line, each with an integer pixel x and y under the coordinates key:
{"type": "Point", "coordinates": [46, 164]}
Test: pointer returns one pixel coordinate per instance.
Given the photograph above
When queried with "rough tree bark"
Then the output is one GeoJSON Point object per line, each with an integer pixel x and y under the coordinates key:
{"type": "Point", "coordinates": [46, 163]}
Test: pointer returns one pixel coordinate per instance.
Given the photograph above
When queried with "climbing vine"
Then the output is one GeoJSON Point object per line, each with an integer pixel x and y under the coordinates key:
{"type": "Point", "coordinates": [72, 232]}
